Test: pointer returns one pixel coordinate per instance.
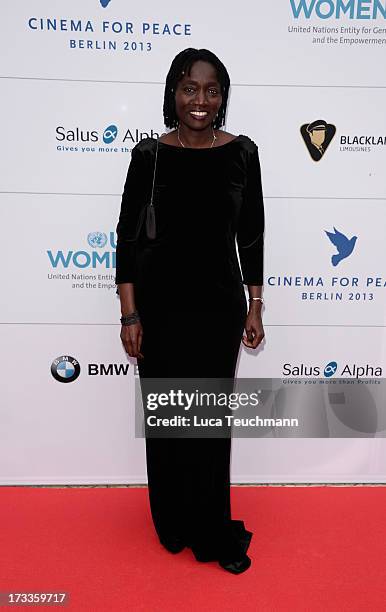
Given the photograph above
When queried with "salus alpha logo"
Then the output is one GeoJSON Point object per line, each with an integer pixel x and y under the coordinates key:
{"type": "Point", "coordinates": [305, 370]}
{"type": "Point", "coordinates": [317, 137]}
{"type": "Point", "coordinates": [344, 245]}
{"type": "Point", "coordinates": [331, 369]}
{"type": "Point", "coordinates": [65, 369]}
{"type": "Point", "coordinates": [104, 3]}
{"type": "Point", "coordinates": [108, 140]}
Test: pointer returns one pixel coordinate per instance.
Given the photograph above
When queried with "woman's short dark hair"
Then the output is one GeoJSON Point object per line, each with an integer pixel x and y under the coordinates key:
{"type": "Point", "coordinates": [181, 65]}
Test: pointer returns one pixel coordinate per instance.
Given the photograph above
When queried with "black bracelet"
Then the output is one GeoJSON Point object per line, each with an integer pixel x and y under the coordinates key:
{"type": "Point", "coordinates": [131, 318]}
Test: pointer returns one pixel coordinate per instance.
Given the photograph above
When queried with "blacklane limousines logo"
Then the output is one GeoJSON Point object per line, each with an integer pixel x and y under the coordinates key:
{"type": "Point", "coordinates": [317, 137]}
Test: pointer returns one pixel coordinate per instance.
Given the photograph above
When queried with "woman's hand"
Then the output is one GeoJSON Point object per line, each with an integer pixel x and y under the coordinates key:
{"type": "Point", "coordinates": [253, 327]}
{"type": "Point", "coordinates": [131, 336]}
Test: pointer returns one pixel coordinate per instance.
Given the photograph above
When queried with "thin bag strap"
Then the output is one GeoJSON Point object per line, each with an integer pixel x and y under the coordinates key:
{"type": "Point", "coordinates": [155, 167]}
{"type": "Point", "coordinates": [151, 230]}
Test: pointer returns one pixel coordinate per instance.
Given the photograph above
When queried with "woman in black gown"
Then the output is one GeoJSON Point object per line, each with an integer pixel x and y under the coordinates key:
{"type": "Point", "coordinates": [182, 292]}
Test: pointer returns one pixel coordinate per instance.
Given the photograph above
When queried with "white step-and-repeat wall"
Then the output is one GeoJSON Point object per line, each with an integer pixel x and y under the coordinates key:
{"type": "Point", "coordinates": [82, 82]}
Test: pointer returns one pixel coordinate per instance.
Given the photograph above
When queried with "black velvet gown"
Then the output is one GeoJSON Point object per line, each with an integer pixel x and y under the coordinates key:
{"type": "Point", "coordinates": [190, 297]}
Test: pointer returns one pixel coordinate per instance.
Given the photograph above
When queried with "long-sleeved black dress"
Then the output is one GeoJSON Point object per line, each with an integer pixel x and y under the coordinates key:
{"type": "Point", "coordinates": [190, 297]}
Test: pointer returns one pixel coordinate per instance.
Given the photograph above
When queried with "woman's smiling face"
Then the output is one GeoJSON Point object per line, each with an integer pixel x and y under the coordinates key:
{"type": "Point", "coordinates": [198, 96]}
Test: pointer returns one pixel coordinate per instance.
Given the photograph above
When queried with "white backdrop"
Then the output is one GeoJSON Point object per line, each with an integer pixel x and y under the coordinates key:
{"type": "Point", "coordinates": [69, 71]}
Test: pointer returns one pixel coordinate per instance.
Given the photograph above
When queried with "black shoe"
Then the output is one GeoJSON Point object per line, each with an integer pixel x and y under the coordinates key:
{"type": "Point", "coordinates": [237, 567]}
{"type": "Point", "coordinates": [204, 557]}
{"type": "Point", "coordinates": [174, 545]}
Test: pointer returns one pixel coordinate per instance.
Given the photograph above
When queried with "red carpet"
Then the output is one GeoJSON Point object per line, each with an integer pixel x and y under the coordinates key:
{"type": "Point", "coordinates": [314, 548]}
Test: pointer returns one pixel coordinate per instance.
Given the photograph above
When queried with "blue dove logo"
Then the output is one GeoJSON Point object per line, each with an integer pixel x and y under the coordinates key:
{"type": "Point", "coordinates": [104, 3]}
{"type": "Point", "coordinates": [343, 245]}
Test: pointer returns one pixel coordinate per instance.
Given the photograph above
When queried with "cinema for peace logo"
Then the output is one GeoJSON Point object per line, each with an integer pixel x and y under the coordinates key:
{"type": "Point", "coordinates": [317, 137]}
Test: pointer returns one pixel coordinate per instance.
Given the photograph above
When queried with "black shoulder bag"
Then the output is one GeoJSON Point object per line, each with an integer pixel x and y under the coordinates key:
{"type": "Point", "coordinates": [151, 232]}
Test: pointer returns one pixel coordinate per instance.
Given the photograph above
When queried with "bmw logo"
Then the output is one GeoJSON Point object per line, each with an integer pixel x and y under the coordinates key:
{"type": "Point", "coordinates": [97, 240]}
{"type": "Point", "coordinates": [65, 369]}
{"type": "Point", "coordinates": [330, 369]}
{"type": "Point", "coordinates": [110, 134]}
